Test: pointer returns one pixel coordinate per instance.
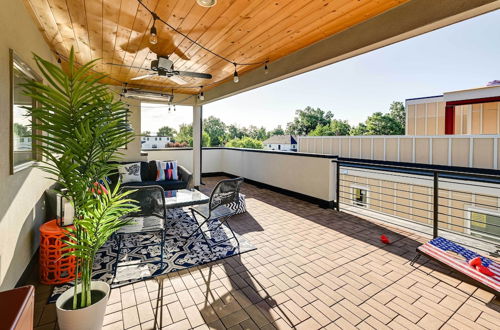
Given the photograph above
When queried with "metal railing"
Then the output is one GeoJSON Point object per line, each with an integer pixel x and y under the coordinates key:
{"type": "Point", "coordinates": [435, 201]}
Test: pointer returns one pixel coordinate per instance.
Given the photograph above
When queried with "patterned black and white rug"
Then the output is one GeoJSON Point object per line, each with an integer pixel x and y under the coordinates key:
{"type": "Point", "coordinates": [140, 254]}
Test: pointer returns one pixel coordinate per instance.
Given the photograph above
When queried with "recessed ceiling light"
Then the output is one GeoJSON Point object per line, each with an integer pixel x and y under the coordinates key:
{"type": "Point", "coordinates": [207, 3]}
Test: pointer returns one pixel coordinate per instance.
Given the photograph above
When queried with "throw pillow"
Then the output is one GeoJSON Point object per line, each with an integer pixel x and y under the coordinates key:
{"type": "Point", "coordinates": [130, 172]}
{"type": "Point", "coordinates": [166, 170]}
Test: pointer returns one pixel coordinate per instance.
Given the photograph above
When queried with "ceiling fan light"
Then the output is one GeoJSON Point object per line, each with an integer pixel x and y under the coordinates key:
{"type": "Point", "coordinates": [207, 3]}
{"type": "Point", "coordinates": [153, 36]}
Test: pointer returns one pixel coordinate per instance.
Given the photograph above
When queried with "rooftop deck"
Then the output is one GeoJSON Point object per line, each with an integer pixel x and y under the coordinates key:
{"type": "Point", "coordinates": [313, 268]}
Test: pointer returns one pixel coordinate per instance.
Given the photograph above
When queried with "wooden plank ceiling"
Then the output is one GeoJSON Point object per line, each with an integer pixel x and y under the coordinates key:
{"type": "Point", "coordinates": [245, 31]}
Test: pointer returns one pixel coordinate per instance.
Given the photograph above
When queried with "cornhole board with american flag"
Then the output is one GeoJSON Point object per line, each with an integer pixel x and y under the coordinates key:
{"type": "Point", "coordinates": [439, 249]}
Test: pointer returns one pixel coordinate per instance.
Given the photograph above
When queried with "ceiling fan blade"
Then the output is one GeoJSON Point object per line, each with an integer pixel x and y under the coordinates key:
{"type": "Point", "coordinates": [129, 66]}
{"type": "Point", "coordinates": [194, 74]}
{"type": "Point", "coordinates": [143, 76]}
{"type": "Point", "coordinates": [178, 80]}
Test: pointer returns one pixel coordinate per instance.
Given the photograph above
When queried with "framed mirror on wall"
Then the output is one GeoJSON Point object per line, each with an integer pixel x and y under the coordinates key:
{"type": "Point", "coordinates": [22, 151]}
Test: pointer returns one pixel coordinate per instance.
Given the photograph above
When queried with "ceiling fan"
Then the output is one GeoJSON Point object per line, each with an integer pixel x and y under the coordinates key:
{"type": "Point", "coordinates": [164, 67]}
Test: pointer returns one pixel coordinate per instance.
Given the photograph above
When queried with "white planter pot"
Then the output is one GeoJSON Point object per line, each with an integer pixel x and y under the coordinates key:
{"type": "Point", "coordinates": [88, 318]}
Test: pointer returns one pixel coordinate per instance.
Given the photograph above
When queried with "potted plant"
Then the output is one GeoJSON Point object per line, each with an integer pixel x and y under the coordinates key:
{"type": "Point", "coordinates": [78, 127]}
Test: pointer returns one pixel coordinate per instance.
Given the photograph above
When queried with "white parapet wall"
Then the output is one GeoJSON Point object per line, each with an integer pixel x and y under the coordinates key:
{"type": "Point", "coordinates": [310, 175]}
{"type": "Point", "coordinates": [478, 151]}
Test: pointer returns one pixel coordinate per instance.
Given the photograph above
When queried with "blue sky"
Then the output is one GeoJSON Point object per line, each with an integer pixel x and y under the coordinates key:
{"type": "Point", "coordinates": [461, 56]}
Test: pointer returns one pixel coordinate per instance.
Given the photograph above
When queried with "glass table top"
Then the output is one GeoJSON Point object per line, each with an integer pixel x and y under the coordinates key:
{"type": "Point", "coordinates": [184, 197]}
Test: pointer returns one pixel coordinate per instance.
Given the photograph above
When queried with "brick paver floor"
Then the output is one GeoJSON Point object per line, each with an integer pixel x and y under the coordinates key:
{"type": "Point", "coordinates": [313, 268]}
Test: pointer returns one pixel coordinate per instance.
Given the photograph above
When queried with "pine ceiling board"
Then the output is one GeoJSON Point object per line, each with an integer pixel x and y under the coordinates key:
{"type": "Point", "coordinates": [138, 27]}
{"type": "Point", "coordinates": [236, 22]}
{"type": "Point", "coordinates": [286, 43]}
{"type": "Point", "coordinates": [43, 16]}
{"type": "Point", "coordinates": [340, 17]}
{"type": "Point", "coordinates": [196, 28]}
{"type": "Point", "coordinates": [274, 35]}
{"type": "Point", "coordinates": [241, 30]}
{"type": "Point", "coordinates": [78, 19]}
{"type": "Point", "coordinates": [111, 16]}
{"type": "Point", "coordinates": [94, 11]}
{"type": "Point", "coordinates": [125, 21]}
{"type": "Point", "coordinates": [226, 44]}
{"type": "Point", "coordinates": [300, 37]}
{"type": "Point", "coordinates": [63, 21]}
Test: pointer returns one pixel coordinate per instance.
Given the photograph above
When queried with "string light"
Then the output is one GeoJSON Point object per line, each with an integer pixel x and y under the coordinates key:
{"type": "Point", "coordinates": [125, 90]}
{"type": "Point", "coordinates": [235, 74]}
{"type": "Point", "coordinates": [174, 107]}
{"type": "Point", "coordinates": [266, 69]}
{"type": "Point", "coordinates": [169, 107]}
{"type": "Point", "coordinates": [153, 34]}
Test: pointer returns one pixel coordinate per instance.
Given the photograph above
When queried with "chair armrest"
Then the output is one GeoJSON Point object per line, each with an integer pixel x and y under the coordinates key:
{"type": "Point", "coordinates": [185, 176]}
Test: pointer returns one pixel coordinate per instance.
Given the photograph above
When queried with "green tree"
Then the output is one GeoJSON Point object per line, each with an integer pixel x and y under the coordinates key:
{"type": "Point", "coordinates": [277, 131]}
{"type": "Point", "coordinates": [234, 132]}
{"type": "Point", "coordinates": [186, 135]}
{"type": "Point", "coordinates": [246, 142]}
{"type": "Point", "coordinates": [307, 120]}
{"type": "Point", "coordinates": [359, 130]}
{"type": "Point", "coordinates": [21, 130]}
{"type": "Point", "coordinates": [257, 133]}
{"type": "Point", "coordinates": [383, 124]}
{"type": "Point", "coordinates": [147, 133]}
{"type": "Point", "coordinates": [340, 127]}
{"type": "Point", "coordinates": [216, 129]}
{"type": "Point", "coordinates": [398, 112]}
{"type": "Point", "coordinates": [166, 131]}
{"type": "Point", "coordinates": [335, 128]}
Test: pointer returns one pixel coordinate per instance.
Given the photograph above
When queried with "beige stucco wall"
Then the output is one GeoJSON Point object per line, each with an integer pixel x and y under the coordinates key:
{"type": "Point", "coordinates": [480, 151]}
{"type": "Point", "coordinates": [21, 194]}
{"type": "Point", "coordinates": [312, 176]}
{"type": "Point", "coordinates": [484, 118]}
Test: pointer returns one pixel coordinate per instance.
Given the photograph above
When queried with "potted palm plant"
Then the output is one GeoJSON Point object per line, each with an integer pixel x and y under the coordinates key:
{"type": "Point", "coordinates": [78, 127]}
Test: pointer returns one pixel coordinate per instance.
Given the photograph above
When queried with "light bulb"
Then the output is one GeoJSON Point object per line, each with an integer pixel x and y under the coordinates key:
{"type": "Point", "coordinates": [202, 96]}
{"type": "Point", "coordinates": [174, 108]}
{"type": "Point", "coordinates": [266, 69]}
{"type": "Point", "coordinates": [153, 36]}
{"type": "Point", "coordinates": [207, 3]}
{"type": "Point", "coordinates": [235, 76]}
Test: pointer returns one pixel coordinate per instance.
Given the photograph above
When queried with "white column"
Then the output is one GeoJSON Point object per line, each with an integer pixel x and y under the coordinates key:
{"type": "Point", "coordinates": [197, 122]}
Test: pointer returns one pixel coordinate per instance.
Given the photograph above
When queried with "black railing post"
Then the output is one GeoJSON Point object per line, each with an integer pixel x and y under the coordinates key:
{"type": "Point", "coordinates": [337, 184]}
{"type": "Point", "coordinates": [436, 205]}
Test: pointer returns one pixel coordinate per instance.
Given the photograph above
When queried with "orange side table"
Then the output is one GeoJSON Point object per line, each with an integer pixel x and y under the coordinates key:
{"type": "Point", "coordinates": [54, 268]}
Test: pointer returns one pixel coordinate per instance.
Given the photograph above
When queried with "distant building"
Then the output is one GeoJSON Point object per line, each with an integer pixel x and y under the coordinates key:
{"type": "Point", "coordinates": [155, 142]}
{"type": "Point", "coordinates": [22, 143]}
{"type": "Point", "coordinates": [281, 143]}
{"type": "Point", "coordinates": [466, 112]}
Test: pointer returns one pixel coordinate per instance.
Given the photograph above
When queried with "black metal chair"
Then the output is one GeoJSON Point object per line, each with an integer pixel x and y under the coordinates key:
{"type": "Point", "coordinates": [150, 219]}
{"type": "Point", "coordinates": [225, 192]}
